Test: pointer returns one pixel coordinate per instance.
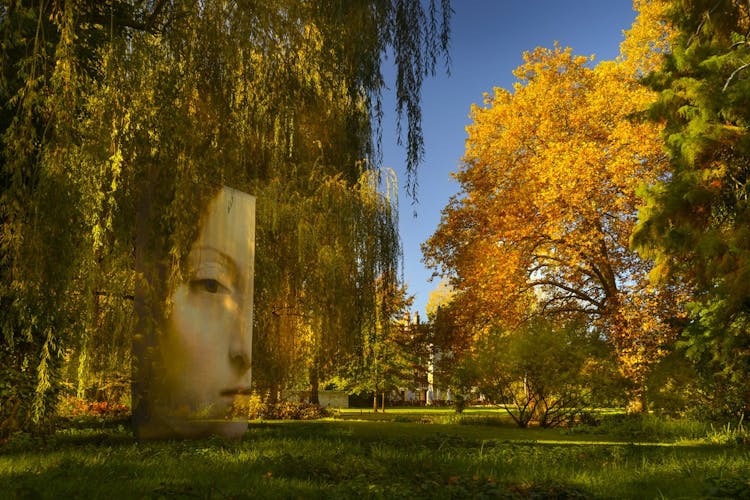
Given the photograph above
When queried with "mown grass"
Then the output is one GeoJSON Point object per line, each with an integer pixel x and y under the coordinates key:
{"type": "Point", "coordinates": [402, 454]}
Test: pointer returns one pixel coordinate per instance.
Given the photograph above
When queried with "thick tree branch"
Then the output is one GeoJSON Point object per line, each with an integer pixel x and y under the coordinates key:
{"type": "Point", "coordinates": [574, 292]}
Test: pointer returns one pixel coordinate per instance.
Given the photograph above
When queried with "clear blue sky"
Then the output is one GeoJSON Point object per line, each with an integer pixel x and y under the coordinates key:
{"type": "Point", "coordinates": [488, 38]}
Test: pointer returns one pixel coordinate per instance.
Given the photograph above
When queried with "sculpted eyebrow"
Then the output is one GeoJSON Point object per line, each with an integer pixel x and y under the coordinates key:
{"type": "Point", "coordinates": [210, 253]}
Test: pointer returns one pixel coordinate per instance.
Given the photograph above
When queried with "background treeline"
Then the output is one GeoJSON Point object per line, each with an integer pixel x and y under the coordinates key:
{"type": "Point", "coordinates": [118, 119]}
{"type": "Point", "coordinates": [604, 213]}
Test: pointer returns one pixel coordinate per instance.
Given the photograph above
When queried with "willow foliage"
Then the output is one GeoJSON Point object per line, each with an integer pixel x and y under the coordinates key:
{"type": "Point", "coordinates": [120, 118]}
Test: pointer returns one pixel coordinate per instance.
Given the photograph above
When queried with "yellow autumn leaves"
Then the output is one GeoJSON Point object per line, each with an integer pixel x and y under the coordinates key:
{"type": "Point", "coordinates": [548, 203]}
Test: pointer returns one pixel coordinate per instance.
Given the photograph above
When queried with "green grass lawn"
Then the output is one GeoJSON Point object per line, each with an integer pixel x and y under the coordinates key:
{"type": "Point", "coordinates": [403, 454]}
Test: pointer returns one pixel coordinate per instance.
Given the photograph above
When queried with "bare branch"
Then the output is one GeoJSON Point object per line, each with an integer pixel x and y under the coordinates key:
{"type": "Point", "coordinates": [733, 74]}
{"type": "Point", "coordinates": [706, 17]}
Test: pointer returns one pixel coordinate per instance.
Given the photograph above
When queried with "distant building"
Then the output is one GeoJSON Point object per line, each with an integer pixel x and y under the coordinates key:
{"type": "Point", "coordinates": [425, 388]}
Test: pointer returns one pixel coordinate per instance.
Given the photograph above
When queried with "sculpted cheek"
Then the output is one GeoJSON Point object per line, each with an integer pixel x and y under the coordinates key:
{"type": "Point", "coordinates": [185, 321]}
{"type": "Point", "coordinates": [230, 308]}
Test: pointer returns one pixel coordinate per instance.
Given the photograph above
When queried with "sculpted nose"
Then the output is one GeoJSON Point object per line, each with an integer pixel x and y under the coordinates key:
{"type": "Point", "coordinates": [239, 357]}
{"type": "Point", "coordinates": [239, 351]}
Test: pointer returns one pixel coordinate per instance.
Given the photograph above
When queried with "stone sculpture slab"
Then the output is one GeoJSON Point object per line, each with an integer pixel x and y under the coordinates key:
{"type": "Point", "coordinates": [204, 349]}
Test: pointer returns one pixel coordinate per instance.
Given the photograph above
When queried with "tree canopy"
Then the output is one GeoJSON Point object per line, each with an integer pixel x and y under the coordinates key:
{"type": "Point", "coordinates": [549, 204]}
{"type": "Point", "coordinates": [549, 200]}
{"type": "Point", "coordinates": [617, 193]}
{"type": "Point", "coordinates": [119, 119]}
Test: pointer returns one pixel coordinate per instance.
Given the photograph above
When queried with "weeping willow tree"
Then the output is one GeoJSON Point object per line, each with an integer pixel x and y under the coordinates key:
{"type": "Point", "coordinates": [47, 60]}
{"type": "Point", "coordinates": [118, 121]}
{"type": "Point", "coordinates": [322, 244]}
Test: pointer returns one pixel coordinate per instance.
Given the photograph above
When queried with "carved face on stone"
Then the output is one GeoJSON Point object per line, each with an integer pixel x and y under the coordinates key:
{"type": "Point", "coordinates": [207, 337]}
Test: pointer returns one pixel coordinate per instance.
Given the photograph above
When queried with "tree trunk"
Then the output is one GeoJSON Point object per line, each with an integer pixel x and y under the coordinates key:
{"type": "Point", "coordinates": [273, 395]}
{"type": "Point", "coordinates": [382, 394]}
{"type": "Point", "coordinates": [144, 339]}
{"type": "Point", "coordinates": [637, 398]}
{"type": "Point", "coordinates": [150, 290]}
{"type": "Point", "coordinates": [375, 401]}
{"type": "Point", "coordinates": [314, 385]}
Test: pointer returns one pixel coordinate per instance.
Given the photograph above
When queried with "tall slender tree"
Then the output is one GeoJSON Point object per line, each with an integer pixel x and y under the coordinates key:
{"type": "Point", "coordinates": [695, 223]}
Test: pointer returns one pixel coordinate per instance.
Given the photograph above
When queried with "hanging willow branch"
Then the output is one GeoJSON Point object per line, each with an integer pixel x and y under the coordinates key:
{"type": "Point", "coordinates": [125, 116]}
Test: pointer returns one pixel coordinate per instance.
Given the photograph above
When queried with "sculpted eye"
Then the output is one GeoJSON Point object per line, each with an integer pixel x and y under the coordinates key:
{"type": "Point", "coordinates": [208, 286]}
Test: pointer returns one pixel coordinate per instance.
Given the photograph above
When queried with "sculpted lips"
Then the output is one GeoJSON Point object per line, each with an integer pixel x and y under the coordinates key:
{"type": "Point", "coordinates": [236, 391]}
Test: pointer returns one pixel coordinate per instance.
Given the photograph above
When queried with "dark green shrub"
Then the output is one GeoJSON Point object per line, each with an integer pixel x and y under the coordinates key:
{"type": "Point", "coordinates": [645, 427]}
{"type": "Point", "coordinates": [728, 487]}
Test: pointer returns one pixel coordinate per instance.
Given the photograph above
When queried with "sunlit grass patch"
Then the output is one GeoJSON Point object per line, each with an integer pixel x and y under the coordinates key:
{"type": "Point", "coordinates": [336, 458]}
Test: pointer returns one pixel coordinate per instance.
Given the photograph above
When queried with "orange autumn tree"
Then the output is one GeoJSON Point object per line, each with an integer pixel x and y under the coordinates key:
{"type": "Point", "coordinates": [548, 205]}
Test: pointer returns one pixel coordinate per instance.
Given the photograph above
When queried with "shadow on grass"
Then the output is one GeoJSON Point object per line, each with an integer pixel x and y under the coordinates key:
{"type": "Point", "coordinates": [357, 459]}
{"type": "Point", "coordinates": [269, 468]}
